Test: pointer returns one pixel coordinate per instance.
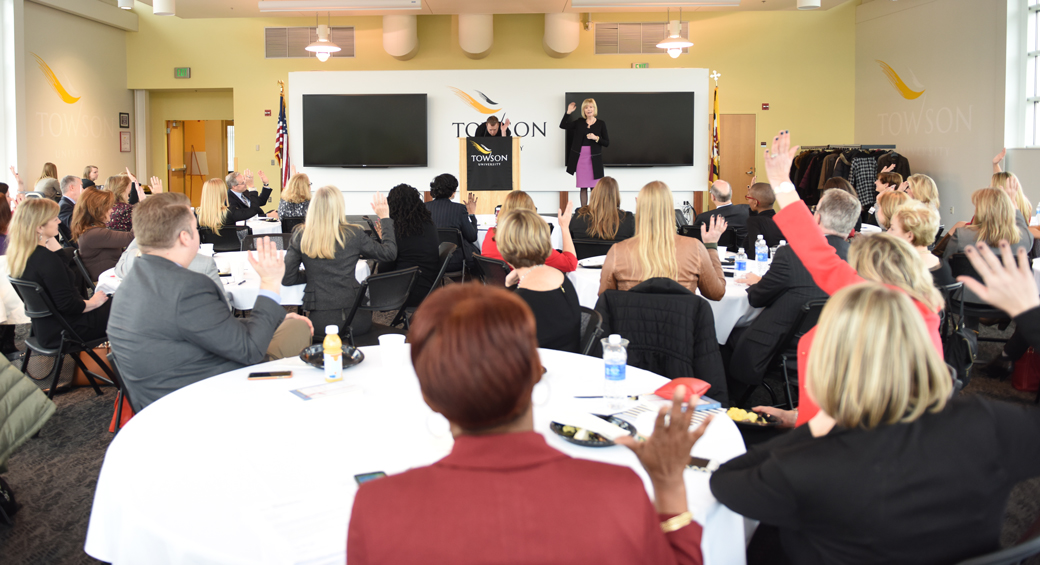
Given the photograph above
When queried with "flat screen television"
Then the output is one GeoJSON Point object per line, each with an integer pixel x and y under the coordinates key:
{"type": "Point", "coordinates": [364, 130]}
{"type": "Point", "coordinates": [646, 129]}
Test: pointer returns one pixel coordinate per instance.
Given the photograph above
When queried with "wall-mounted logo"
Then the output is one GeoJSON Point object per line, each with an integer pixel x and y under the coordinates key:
{"type": "Point", "coordinates": [897, 82]}
{"type": "Point", "coordinates": [480, 148]}
{"type": "Point", "coordinates": [477, 105]}
{"type": "Point", "coordinates": [63, 93]}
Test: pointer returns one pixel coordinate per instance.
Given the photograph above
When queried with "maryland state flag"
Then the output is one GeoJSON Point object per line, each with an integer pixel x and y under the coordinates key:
{"type": "Point", "coordinates": [713, 175]}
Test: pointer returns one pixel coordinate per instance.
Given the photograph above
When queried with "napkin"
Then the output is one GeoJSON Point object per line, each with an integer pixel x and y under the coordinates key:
{"type": "Point", "coordinates": [593, 261]}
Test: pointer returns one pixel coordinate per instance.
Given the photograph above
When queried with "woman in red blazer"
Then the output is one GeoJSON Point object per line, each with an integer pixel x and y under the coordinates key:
{"type": "Point", "coordinates": [564, 262]}
{"type": "Point", "coordinates": [502, 495]}
{"type": "Point", "coordinates": [879, 258]}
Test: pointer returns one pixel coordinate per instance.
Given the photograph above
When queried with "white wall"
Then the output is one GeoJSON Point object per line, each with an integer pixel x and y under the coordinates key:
{"type": "Point", "coordinates": [954, 50]}
{"type": "Point", "coordinates": [531, 96]}
{"type": "Point", "coordinates": [89, 60]}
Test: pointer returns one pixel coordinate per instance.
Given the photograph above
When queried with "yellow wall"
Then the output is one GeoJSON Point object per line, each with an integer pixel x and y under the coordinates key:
{"type": "Point", "coordinates": [182, 105]}
{"type": "Point", "coordinates": [802, 64]}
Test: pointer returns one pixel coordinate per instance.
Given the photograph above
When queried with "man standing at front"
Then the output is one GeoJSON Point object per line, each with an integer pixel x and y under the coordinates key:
{"type": "Point", "coordinates": [171, 327]}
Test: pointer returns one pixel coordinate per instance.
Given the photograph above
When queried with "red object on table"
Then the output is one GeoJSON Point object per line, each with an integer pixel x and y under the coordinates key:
{"type": "Point", "coordinates": [693, 386]}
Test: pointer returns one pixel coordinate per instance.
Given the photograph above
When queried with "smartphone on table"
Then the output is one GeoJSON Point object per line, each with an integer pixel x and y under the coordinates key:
{"type": "Point", "coordinates": [267, 375]}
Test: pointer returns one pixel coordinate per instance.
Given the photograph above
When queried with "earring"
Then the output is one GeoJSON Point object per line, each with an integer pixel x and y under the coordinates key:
{"type": "Point", "coordinates": [541, 400]}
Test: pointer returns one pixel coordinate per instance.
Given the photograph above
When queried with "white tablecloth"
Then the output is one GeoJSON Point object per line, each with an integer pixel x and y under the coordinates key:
{"type": "Point", "coordinates": [485, 221]}
{"type": "Point", "coordinates": [1036, 271]}
{"type": "Point", "coordinates": [730, 312]}
{"type": "Point", "coordinates": [262, 226]}
{"type": "Point", "coordinates": [235, 471]}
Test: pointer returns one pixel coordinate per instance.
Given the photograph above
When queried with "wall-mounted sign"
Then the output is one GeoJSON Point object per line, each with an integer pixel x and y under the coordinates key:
{"type": "Point", "coordinates": [124, 142]}
{"type": "Point", "coordinates": [640, 65]}
{"type": "Point", "coordinates": [124, 120]}
{"type": "Point", "coordinates": [267, 112]}
{"type": "Point", "coordinates": [765, 106]}
{"type": "Point", "coordinates": [182, 72]}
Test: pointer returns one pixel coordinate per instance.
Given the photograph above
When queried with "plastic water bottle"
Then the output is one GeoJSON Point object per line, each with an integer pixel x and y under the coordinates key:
{"type": "Point", "coordinates": [761, 254]}
{"type": "Point", "coordinates": [1036, 217]}
{"type": "Point", "coordinates": [615, 356]}
{"type": "Point", "coordinates": [333, 353]}
{"type": "Point", "coordinates": [772, 253]}
{"type": "Point", "coordinates": [783, 242]}
{"type": "Point", "coordinates": [741, 267]}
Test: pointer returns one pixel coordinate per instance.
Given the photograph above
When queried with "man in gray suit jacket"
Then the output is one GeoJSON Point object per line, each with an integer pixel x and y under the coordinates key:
{"type": "Point", "coordinates": [171, 327]}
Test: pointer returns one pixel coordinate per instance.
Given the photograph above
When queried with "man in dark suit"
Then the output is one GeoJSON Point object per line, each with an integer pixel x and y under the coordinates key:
{"type": "Point", "coordinates": [492, 128]}
{"type": "Point", "coordinates": [71, 187]}
{"type": "Point", "coordinates": [736, 215]}
{"type": "Point", "coordinates": [241, 195]}
{"type": "Point", "coordinates": [782, 292]}
{"type": "Point", "coordinates": [760, 220]}
{"type": "Point", "coordinates": [189, 333]}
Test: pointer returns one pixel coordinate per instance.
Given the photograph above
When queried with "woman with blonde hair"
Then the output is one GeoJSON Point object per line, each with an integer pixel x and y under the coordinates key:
{"type": "Point", "coordinates": [910, 476]}
{"type": "Point", "coordinates": [48, 184]}
{"type": "Point", "coordinates": [587, 136]}
{"type": "Point", "coordinates": [565, 261]}
{"type": "Point", "coordinates": [1008, 182]}
{"type": "Point", "coordinates": [523, 238]}
{"type": "Point", "coordinates": [603, 218]}
{"type": "Point", "coordinates": [295, 198]}
{"type": "Point", "coordinates": [918, 223]}
{"type": "Point", "coordinates": [34, 254]}
{"type": "Point", "coordinates": [214, 213]}
{"type": "Point", "coordinates": [657, 251]}
{"type": "Point", "coordinates": [99, 246]}
{"type": "Point", "coordinates": [885, 208]}
{"type": "Point", "coordinates": [328, 248]}
{"type": "Point", "coordinates": [923, 189]}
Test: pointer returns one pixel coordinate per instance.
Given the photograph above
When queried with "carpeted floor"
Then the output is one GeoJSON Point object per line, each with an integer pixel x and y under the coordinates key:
{"type": "Point", "coordinates": [54, 475]}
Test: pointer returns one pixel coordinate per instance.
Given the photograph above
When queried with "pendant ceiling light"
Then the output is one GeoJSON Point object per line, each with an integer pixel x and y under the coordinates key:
{"type": "Point", "coordinates": [323, 48]}
{"type": "Point", "coordinates": [126, 4]}
{"type": "Point", "coordinates": [675, 42]}
{"type": "Point", "coordinates": [164, 7]}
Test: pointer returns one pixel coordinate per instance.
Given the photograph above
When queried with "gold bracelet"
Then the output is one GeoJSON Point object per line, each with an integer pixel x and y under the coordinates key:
{"type": "Point", "coordinates": [676, 522]}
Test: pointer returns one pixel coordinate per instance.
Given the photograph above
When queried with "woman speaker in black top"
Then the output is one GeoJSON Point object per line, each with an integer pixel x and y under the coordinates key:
{"type": "Point", "coordinates": [586, 137]}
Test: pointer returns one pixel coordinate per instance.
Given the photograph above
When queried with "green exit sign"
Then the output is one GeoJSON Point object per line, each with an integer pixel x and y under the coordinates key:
{"type": "Point", "coordinates": [182, 72]}
{"type": "Point", "coordinates": [640, 65]}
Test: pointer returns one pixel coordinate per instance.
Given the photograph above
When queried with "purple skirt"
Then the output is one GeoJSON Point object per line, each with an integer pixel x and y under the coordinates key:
{"type": "Point", "coordinates": [584, 177]}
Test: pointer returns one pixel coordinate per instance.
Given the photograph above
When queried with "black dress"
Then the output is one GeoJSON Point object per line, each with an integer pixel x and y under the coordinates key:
{"type": "Point", "coordinates": [48, 269]}
{"type": "Point", "coordinates": [557, 315]}
{"type": "Point", "coordinates": [577, 136]}
{"type": "Point", "coordinates": [417, 251]}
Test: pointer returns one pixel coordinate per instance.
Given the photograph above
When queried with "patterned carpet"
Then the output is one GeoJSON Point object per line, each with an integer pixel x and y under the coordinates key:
{"type": "Point", "coordinates": [54, 476]}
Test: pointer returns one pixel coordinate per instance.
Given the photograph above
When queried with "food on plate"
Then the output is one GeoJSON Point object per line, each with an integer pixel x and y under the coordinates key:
{"type": "Point", "coordinates": [738, 415]}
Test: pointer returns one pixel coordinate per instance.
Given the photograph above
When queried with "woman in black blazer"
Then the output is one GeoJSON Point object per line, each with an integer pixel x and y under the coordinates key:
{"type": "Point", "coordinates": [891, 470]}
{"type": "Point", "coordinates": [586, 139]}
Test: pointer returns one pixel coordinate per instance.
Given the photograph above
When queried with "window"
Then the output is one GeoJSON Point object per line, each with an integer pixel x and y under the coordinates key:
{"type": "Point", "coordinates": [1032, 61]}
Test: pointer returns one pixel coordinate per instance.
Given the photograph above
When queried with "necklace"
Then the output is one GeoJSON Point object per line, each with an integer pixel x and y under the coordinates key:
{"type": "Point", "coordinates": [523, 276]}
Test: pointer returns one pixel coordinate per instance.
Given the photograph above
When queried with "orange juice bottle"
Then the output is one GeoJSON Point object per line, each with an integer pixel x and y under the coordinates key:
{"type": "Point", "coordinates": [333, 354]}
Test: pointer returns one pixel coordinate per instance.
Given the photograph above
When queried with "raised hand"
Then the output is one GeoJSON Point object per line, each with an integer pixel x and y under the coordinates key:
{"type": "Point", "coordinates": [268, 264]}
{"type": "Point", "coordinates": [1000, 156]}
{"type": "Point", "coordinates": [1009, 286]}
{"type": "Point", "coordinates": [133, 179]}
{"type": "Point", "coordinates": [889, 168]}
{"type": "Point", "coordinates": [380, 207]}
{"type": "Point", "coordinates": [292, 171]}
{"type": "Point", "coordinates": [571, 107]}
{"type": "Point", "coordinates": [18, 179]}
{"type": "Point", "coordinates": [156, 185]}
{"type": "Point", "coordinates": [471, 203]}
{"type": "Point", "coordinates": [905, 187]}
{"type": "Point", "coordinates": [247, 177]}
{"type": "Point", "coordinates": [712, 231]}
{"type": "Point", "coordinates": [778, 159]}
{"type": "Point", "coordinates": [564, 216]}
{"type": "Point", "coordinates": [505, 125]}
{"type": "Point", "coordinates": [263, 177]}
{"type": "Point", "coordinates": [753, 179]}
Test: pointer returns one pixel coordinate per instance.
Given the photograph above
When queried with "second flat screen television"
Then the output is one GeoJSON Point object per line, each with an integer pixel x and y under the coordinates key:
{"type": "Point", "coordinates": [364, 130]}
{"type": "Point", "coordinates": [645, 128]}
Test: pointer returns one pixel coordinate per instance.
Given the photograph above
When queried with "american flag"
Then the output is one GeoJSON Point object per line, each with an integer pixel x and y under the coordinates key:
{"type": "Point", "coordinates": [281, 142]}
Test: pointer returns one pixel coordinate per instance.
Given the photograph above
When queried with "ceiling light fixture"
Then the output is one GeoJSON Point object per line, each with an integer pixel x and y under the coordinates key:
{"type": "Point", "coordinates": [126, 4]}
{"type": "Point", "coordinates": [675, 42]}
{"type": "Point", "coordinates": [337, 5]}
{"type": "Point", "coordinates": [164, 7]}
{"type": "Point", "coordinates": [808, 4]}
{"type": "Point", "coordinates": [323, 48]}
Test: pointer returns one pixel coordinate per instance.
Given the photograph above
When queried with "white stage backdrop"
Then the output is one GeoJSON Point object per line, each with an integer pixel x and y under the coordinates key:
{"type": "Point", "coordinates": [533, 99]}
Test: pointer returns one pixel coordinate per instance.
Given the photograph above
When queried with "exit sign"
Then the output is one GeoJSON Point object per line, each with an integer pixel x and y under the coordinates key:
{"type": "Point", "coordinates": [640, 65]}
{"type": "Point", "coordinates": [182, 72]}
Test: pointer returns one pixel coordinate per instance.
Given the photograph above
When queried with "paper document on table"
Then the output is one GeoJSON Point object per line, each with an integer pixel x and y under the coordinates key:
{"type": "Point", "coordinates": [108, 285]}
{"type": "Point", "coordinates": [325, 389]}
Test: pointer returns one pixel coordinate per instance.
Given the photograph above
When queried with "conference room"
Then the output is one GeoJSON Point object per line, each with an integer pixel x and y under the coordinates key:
{"type": "Point", "coordinates": [561, 281]}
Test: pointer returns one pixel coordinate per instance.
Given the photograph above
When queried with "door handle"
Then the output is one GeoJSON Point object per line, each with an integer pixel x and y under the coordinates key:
{"type": "Point", "coordinates": [750, 172]}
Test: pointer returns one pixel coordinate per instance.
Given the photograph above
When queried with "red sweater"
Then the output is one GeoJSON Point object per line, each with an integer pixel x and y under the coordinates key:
{"type": "Point", "coordinates": [510, 498]}
{"type": "Point", "coordinates": [564, 262]}
{"type": "Point", "coordinates": [831, 274]}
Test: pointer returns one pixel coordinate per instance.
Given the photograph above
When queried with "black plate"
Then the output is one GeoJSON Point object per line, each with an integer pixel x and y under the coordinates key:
{"type": "Point", "coordinates": [770, 422]}
{"type": "Point", "coordinates": [315, 356]}
{"type": "Point", "coordinates": [557, 429]}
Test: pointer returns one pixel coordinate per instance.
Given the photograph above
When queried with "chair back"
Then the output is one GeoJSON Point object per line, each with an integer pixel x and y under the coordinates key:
{"type": "Point", "coordinates": [680, 219]}
{"type": "Point", "coordinates": [445, 250]}
{"type": "Point", "coordinates": [687, 230]}
{"type": "Point", "coordinates": [389, 291]}
{"type": "Point", "coordinates": [584, 248]}
{"type": "Point", "coordinates": [289, 224]}
{"type": "Point", "coordinates": [118, 377]}
{"type": "Point", "coordinates": [83, 270]}
{"type": "Point", "coordinates": [493, 272]}
{"type": "Point", "coordinates": [280, 239]}
{"type": "Point", "coordinates": [229, 239]}
{"type": "Point", "coordinates": [804, 321]}
{"type": "Point", "coordinates": [1009, 556]}
{"type": "Point", "coordinates": [454, 236]}
{"type": "Point", "coordinates": [591, 328]}
{"type": "Point", "coordinates": [38, 306]}
{"type": "Point", "coordinates": [961, 266]}
{"type": "Point", "coordinates": [730, 240]}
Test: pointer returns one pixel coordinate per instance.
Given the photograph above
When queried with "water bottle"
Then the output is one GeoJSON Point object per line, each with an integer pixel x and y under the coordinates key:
{"type": "Point", "coordinates": [783, 242]}
{"type": "Point", "coordinates": [772, 253]}
{"type": "Point", "coordinates": [741, 266]}
{"type": "Point", "coordinates": [1036, 217]}
{"type": "Point", "coordinates": [333, 354]}
{"type": "Point", "coordinates": [761, 254]}
{"type": "Point", "coordinates": [614, 359]}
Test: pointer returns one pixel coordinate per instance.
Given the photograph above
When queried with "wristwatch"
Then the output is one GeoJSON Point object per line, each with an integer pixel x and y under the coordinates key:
{"type": "Point", "coordinates": [785, 186]}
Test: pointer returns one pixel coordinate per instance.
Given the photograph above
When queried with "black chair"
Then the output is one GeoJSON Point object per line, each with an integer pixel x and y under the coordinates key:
{"type": "Point", "coordinates": [591, 328]}
{"type": "Point", "coordinates": [122, 393]}
{"type": "Point", "coordinates": [83, 270]}
{"type": "Point", "coordinates": [381, 293]}
{"type": "Point", "coordinates": [445, 249]}
{"type": "Point", "coordinates": [584, 248]}
{"type": "Point", "coordinates": [729, 238]}
{"type": "Point", "coordinates": [280, 239]}
{"type": "Point", "coordinates": [289, 224]}
{"type": "Point", "coordinates": [961, 266]}
{"type": "Point", "coordinates": [492, 271]}
{"type": "Point", "coordinates": [454, 236]}
{"type": "Point", "coordinates": [229, 239]}
{"type": "Point", "coordinates": [785, 355]}
{"type": "Point", "coordinates": [38, 306]}
{"type": "Point", "coordinates": [1013, 555]}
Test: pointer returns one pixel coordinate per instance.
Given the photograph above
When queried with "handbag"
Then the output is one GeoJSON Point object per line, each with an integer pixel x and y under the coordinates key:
{"type": "Point", "coordinates": [102, 351]}
{"type": "Point", "coordinates": [1027, 372]}
{"type": "Point", "coordinates": [960, 346]}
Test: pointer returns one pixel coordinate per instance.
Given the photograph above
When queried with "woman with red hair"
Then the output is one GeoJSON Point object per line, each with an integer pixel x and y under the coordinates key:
{"type": "Point", "coordinates": [502, 495]}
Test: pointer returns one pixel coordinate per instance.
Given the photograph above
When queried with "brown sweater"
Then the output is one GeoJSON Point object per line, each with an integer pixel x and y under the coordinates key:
{"type": "Point", "coordinates": [100, 248]}
{"type": "Point", "coordinates": [698, 267]}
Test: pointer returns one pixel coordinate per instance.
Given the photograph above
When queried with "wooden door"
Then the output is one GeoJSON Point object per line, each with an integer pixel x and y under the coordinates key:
{"type": "Point", "coordinates": [175, 157]}
{"type": "Point", "coordinates": [737, 153]}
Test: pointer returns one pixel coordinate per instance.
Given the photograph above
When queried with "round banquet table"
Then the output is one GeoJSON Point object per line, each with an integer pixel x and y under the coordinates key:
{"type": "Point", "coordinates": [234, 471]}
{"type": "Point", "coordinates": [732, 311]}
{"type": "Point", "coordinates": [261, 226]}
